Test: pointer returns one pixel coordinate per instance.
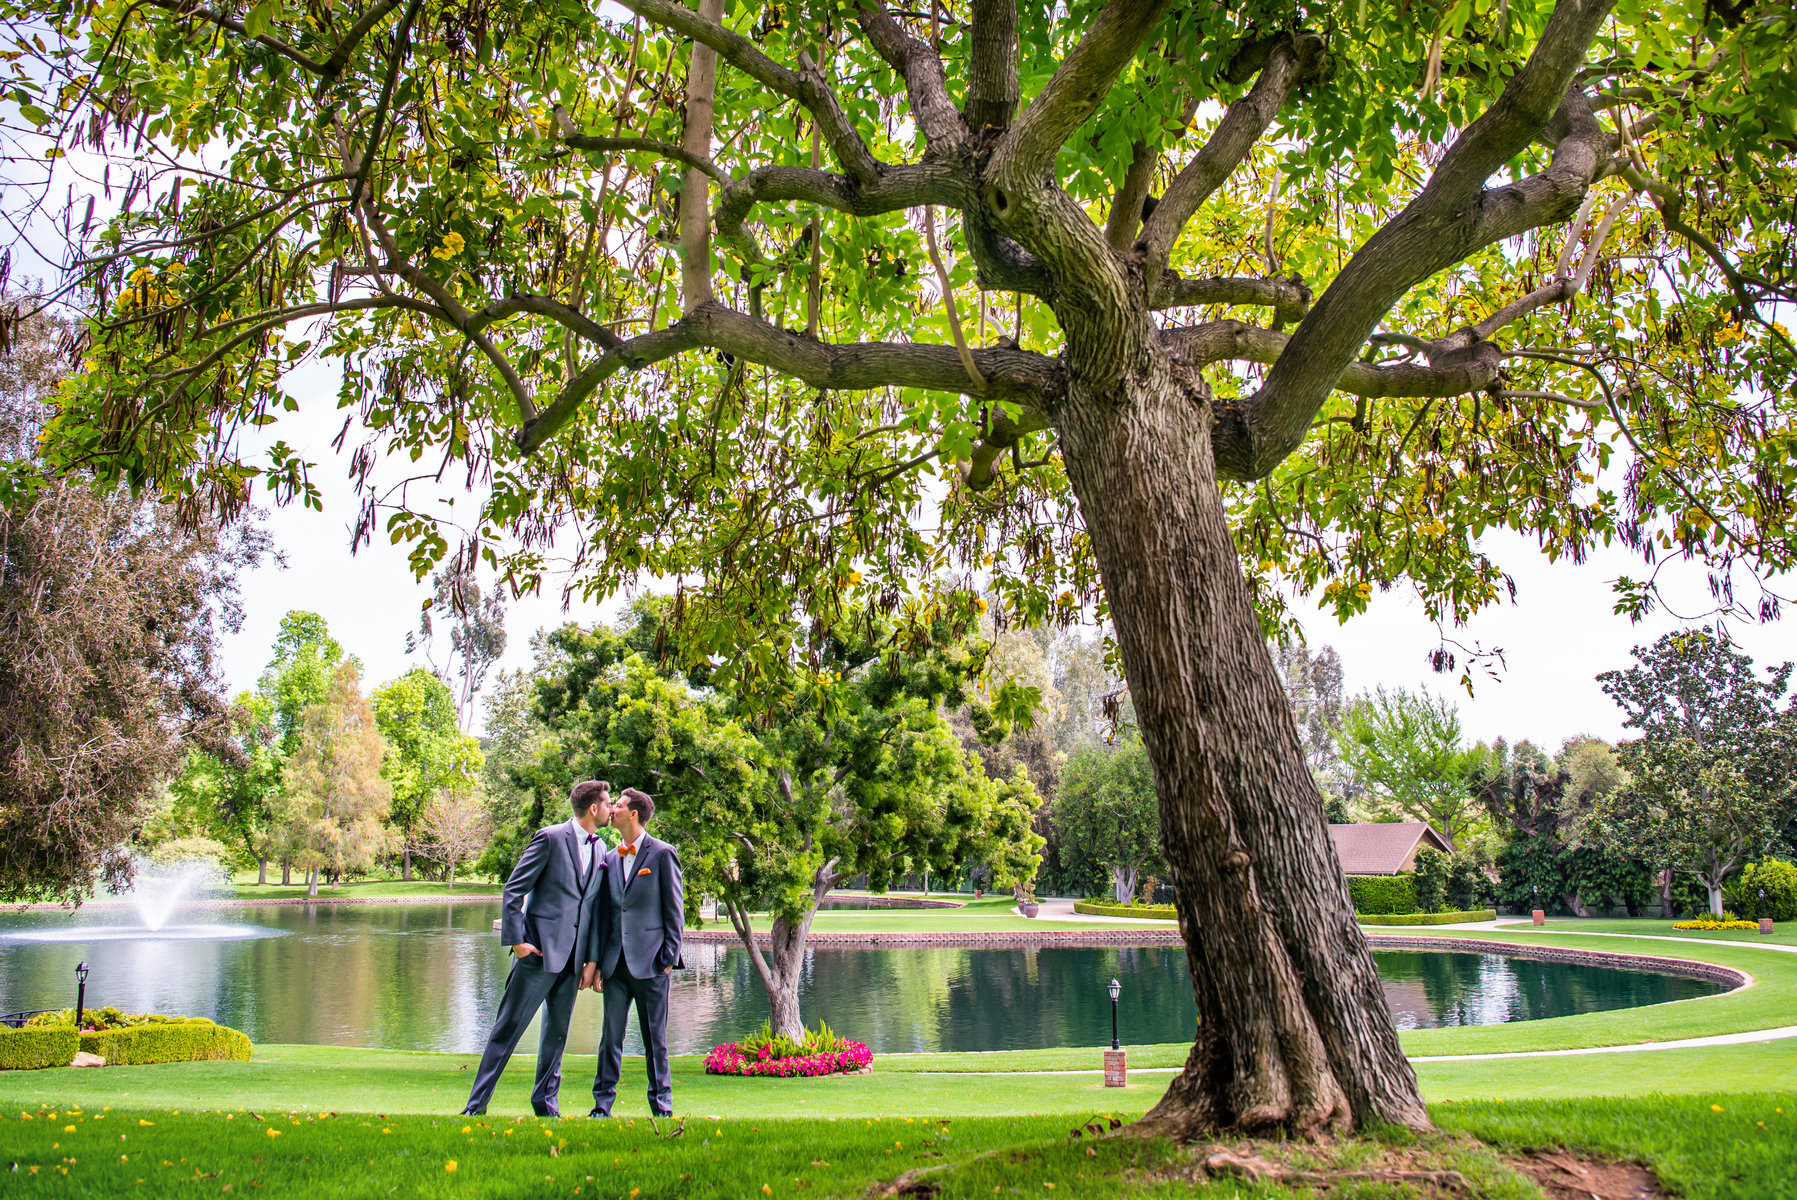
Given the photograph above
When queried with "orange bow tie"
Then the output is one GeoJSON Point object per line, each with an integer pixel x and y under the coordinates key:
{"type": "Point", "coordinates": [627, 848]}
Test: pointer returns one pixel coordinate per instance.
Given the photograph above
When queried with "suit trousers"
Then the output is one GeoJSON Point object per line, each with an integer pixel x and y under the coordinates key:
{"type": "Point", "coordinates": [528, 988]}
{"type": "Point", "coordinates": [651, 998]}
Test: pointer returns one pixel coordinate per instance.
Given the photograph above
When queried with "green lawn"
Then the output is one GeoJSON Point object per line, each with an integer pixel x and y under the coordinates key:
{"type": "Point", "coordinates": [372, 888]}
{"type": "Point", "coordinates": [1784, 933]}
{"type": "Point", "coordinates": [1725, 1145]}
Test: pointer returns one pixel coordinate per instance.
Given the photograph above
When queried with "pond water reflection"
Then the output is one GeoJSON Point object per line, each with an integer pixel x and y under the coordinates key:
{"type": "Point", "coordinates": [428, 977]}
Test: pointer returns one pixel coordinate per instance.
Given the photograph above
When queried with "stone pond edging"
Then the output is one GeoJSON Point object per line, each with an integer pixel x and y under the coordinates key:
{"type": "Point", "coordinates": [1688, 968]}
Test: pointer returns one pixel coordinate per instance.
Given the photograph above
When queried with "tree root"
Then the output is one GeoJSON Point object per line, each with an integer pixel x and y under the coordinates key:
{"type": "Point", "coordinates": [1221, 1161]}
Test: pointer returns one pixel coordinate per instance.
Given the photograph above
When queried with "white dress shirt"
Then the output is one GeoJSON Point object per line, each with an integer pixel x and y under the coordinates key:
{"type": "Point", "coordinates": [586, 848]}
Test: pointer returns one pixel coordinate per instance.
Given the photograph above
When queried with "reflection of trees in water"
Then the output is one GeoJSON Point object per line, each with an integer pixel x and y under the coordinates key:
{"type": "Point", "coordinates": [429, 977]}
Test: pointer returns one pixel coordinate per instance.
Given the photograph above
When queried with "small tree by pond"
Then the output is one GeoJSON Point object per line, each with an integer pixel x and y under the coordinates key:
{"type": "Point", "coordinates": [335, 800]}
{"type": "Point", "coordinates": [773, 805]}
{"type": "Point", "coordinates": [1109, 816]}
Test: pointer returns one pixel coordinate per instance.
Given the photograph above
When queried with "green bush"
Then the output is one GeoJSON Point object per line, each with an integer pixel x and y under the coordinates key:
{"type": "Point", "coordinates": [1778, 877]}
{"type": "Point", "coordinates": [34, 1047]}
{"type": "Point", "coordinates": [178, 1041]}
{"type": "Point", "coordinates": [1383, 893]}
{"type": "Point", "coordinates": [1436, 918]}
{"type": "Point", "coordinates": [1431, 879]}
{"type": "Point", "coordinates": [1101, 908]}
{"type": "Point", "coordinates": [102, 1019]}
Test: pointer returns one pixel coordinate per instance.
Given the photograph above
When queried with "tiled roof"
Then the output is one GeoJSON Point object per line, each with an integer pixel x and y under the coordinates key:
{"type": "Point", "coordinates": [1382, 849]}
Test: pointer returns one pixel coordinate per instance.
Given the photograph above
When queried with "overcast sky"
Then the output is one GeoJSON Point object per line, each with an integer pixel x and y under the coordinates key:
{"type": "Point", "coordinates": [1556, 638]}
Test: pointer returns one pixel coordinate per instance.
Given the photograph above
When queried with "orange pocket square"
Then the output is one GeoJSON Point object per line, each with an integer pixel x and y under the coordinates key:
{"type": "Point", "coordinates": [644, 871]}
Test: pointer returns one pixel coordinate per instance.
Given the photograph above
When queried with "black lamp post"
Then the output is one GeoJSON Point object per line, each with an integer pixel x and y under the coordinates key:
{"type": "Point", "coordinates": [1762, 908]}
{"type": "Point", "coordinates": [1116, 990]}
{"type": "Point", "coordinates": [80, 993]}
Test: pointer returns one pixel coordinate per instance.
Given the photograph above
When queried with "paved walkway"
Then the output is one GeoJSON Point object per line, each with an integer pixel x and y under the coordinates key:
{"type": "Point", "coordinates": [1054, 909]}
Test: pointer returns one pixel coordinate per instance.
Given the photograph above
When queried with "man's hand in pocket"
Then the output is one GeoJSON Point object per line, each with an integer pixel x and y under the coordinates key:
{"type": "Point", "coordinates": [525, 949]}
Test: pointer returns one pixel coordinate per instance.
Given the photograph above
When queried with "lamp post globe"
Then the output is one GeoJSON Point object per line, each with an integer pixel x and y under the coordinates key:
{"type": "Point", "coordinates": [1116, 990]}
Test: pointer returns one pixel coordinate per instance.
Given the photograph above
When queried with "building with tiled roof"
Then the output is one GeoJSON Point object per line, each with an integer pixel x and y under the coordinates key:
{"type": "Point", "coordinates": [1386, 848]}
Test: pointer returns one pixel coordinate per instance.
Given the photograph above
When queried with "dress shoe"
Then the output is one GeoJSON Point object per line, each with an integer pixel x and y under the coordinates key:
{"type": "Point", "coordinates": [550, 1113]}
{"type": "Point", "coordinates": [474, 1112]}
{"type": "Point", "coordinates": [598, 1115]}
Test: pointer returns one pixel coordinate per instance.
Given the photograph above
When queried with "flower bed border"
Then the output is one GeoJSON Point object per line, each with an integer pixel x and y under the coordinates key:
{"type": "Point", "coordinates": [856, 1059]}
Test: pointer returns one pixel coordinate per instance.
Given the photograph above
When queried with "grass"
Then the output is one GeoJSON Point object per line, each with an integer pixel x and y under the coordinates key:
{"type": "Point", "coordinates": [1706, 1146]}
{"type": "Point", "coordinates": [1784, 933]}
{"type": "Point", "coordinates": [370, 888]}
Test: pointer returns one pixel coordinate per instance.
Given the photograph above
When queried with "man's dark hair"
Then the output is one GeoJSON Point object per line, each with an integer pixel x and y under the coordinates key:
{"type": "Point", "coordinates": [586, 794]}
{"type": "Point", "coordinates": [640, 804]}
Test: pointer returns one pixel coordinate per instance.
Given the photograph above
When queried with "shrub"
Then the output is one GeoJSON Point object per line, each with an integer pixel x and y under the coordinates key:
{"type": "Point", "coordinates": [37, 1046]}
{"type": "Point", "coordinates": [196, 1040]}
{"type": "Point", "coordinates": [1110, 908]}
{"type": "Point", "coordinates": [1778, 877]}
{"type": "Point", "coordinates": [1436, 918]}
{"type": "Point", "coordinates": [102, 1019]}
{"type": "Point", "coordinates": [1383, 893]}
{"type": "Point", "coordinates": [775, 1054]}
{"type": "Point", "coordinates": [1431, 879]}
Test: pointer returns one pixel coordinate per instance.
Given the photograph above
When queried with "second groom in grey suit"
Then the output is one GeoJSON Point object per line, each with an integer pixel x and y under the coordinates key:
{"type": "Point", "coordinates": [636, 943]}
{"type": "Point", "coordinates": [552, 904]}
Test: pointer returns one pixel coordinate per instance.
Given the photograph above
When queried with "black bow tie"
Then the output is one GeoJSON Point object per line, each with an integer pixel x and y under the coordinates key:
{"type": "Point", "coordinates": [591, 838]}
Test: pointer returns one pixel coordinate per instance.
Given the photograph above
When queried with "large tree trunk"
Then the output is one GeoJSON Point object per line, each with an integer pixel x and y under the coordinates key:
{"type": "Point", "coordinates": [286, 872]}
{"type": "Point", "coordinates": [1123, 884]}
{"type": "Point", "coordinates": [405, 861]}
{"type": "Point", "coordinates": [312, 882]}
{"type": "Point", "coordinates": [1294, 1029]}
{"type": "Point", "coordinates": [261, 872]}
{"type": "Point", "coordinates": [779, 967]}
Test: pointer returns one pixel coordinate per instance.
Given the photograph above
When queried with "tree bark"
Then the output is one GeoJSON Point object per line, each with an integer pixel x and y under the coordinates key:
{"type": "Point", "coordinates": [1295, 1032]}
{"type": "Point", "coordinates": [261, 872]}
{"type": "Point", "coordinates": [312, 882]}
{"type": "Point", "coordinates": [405, 862]}
{"type": "Point", "coordinates": [286, 872]}
{"type": "Point", "coordinates": [1123, 884]}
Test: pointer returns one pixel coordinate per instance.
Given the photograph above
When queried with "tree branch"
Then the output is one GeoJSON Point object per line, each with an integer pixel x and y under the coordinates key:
{"type": "Point", "coordinates": [187, 10]}
{"type": "Point", "coordinates": [1031, 380]}
{"type": "Point", "coordinates": [695, 190]}
{"type": "Point", "coordinates": [808, 87]}
{"type": "Point", "coordinates": [1452, 217]}
{"type": "Point", "coordinates": [948, 297]}
{"type": "Point", "coordinates": [1079, 84]}
{"type": "Point", "coordinates": [1288, 298]}
{"type": "Point", "coordinates": [1287, 63]}
{"type": "Point", "coordinates": [921, 69]}
{"type": "Point", "coordinates": [992, 86]}
{"type": "Point", "coordinates": [899, 187]}
{"type": "Point", "coordinates": [1125, 217]}
{"type": "Point", "coordinates": [569, 135]}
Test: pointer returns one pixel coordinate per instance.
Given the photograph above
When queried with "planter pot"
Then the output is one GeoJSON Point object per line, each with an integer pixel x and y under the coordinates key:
{"type": "Point", "coordinates": [1029, 909]}
{"type": "Point", "coordinates": [1539, 917]}
{"type": "Point", "coordinates": [1765, 924]}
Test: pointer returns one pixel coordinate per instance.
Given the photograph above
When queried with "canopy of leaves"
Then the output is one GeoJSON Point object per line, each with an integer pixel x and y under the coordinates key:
{"type": "Point", "coordinates": [471, 208]}
{"type": "Point", "coordinates": [427, 752]}
{"type": "Point", "coordinates": [1404, 748]}
{"type": "Point", "coordinates": [1108, 816]}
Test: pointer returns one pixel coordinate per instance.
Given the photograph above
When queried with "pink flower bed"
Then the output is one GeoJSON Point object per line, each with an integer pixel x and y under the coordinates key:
{"type": "Point", "coordinates": [728, 1059]}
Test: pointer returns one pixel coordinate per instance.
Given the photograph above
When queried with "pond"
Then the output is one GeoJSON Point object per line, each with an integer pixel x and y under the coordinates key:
{"type": "Point", "coordinates": [428, 977]}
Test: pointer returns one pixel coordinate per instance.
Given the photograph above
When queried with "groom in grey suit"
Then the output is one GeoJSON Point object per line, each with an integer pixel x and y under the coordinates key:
{"type": "Point", "coordinates": [550, 908]}
{"type": "Point", "coordinates": [636, 943]}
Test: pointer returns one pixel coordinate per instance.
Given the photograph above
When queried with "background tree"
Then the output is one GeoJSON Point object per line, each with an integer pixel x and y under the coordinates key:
{"type": "Point", "coordinates": [427, 754]}
{"type": "Point", "coordinates": [514, 750]}
{"type": "Point", "coordinates": [1404, 748]}
{"type": "Point", "coordinates": [476, 633]}
{"type": "Point", "coordinates": [236, 795]}
{"type": "Point", "coordinates": [773, 805]}
{"type": "Point", "coordinates": [454, 829]}
{"type": "Point", "coordinates": [1313, 688]}
{"type": "Point", "coordinates": [1397, 212]}
{"type": "Point", "coordinates": [1109, 817]}
{"type": "Point", "coordinates": [109, 617]}
{"type": "Point", "coordinates": [1713, 777]}
{"type": "Point", "coordinates": [1543, 809]}
{"type": "Point", "coordinates": [299, 675]}
{"type": "Point", "coordinates": [334, 799]}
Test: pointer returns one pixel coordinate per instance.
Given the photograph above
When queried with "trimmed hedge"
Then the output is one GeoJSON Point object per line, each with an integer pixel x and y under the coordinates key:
{"type": "Point", "coordinates": [194, 1040]}
{"type": "Point", "coordinates": [31, 1049]}
{"type": "Point", "coordinates": [1437, 918]}
{"type": "Point", "coordinates": [1095, 908]}
{"type": "Point", "coordinates": [1383, 894]}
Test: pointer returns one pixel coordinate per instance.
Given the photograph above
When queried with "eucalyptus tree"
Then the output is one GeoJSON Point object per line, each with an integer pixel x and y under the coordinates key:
{"type": "Point", "coordinates": [1067, 294]}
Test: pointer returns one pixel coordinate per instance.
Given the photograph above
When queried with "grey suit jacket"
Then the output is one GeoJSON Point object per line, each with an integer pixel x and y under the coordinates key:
{"type": "Point", "coordinates": [644, 917]}
{"type": "Point", "coordinates": [545, 902]}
